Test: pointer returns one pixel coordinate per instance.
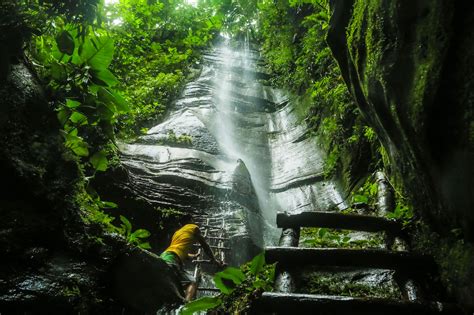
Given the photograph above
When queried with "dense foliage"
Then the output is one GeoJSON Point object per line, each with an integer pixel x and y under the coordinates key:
{"type": "Point", "coordinates": [293, 42]}
{"type": "Point", "coordinates": [114, 69]}
{"type": "Point", "coordinates": [107, 70]}
{"type": "Point", "coordinates": [239, 287]}
{"type": "Point", "coordinates": [156, 45]}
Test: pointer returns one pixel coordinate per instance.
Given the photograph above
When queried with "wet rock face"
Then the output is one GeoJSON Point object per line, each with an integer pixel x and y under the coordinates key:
{"type": "Point", "coordinates": [51, 262]}
{"type": "Point", "coordinates": [144, 282]}
{"type": "Point", "coordinates": [400, 61]}
{"type": "Point", "coordinates": [231, 147]}
{"type": "Point", "coordinates": [191, 162]}
{"type": "Point", "coordinates": [61, 284]}
{"type": "Point", "coordinates": [406, 65]}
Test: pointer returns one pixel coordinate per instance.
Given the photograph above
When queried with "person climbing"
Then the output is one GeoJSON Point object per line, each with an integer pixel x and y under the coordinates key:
{"type": "Point", "coordinates": [180, 250]}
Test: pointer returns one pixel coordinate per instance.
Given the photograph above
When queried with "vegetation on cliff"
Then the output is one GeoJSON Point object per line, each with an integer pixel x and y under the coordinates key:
{"type": "Point", "coordinates": [111, 70]}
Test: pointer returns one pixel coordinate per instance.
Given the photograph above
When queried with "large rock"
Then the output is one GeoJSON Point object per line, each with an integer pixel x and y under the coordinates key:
{"type": "Point", "coordinates": [51, 261]}
{"type": "Point", "coordinates": [408, 65]}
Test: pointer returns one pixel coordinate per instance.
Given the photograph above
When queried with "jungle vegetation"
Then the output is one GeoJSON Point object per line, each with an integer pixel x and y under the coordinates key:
{"type": "Point", "coordinates": [111, 69]}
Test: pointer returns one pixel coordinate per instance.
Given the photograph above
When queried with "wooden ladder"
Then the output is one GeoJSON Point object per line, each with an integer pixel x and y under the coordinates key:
{"type": "Point", "coordinates": [214, 232]}
{"type": "Point", "coordinates": [290, 257]}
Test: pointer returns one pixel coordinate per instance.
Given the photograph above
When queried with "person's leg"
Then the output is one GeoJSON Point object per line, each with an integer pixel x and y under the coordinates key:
{"type": "Point", "coordinates": [191, 291]}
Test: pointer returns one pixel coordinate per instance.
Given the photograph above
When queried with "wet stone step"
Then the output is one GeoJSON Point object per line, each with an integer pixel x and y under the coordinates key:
{"type": "Point", "coordinates": [291, 303]}
{"type": "Point", "coordinates": [409, 263]}
{"type": "Point", "coordinates": [336, 220]}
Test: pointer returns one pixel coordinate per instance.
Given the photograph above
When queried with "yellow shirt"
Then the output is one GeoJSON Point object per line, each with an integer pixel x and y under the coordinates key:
{"type": "Point", "coordinates": [183, 240]}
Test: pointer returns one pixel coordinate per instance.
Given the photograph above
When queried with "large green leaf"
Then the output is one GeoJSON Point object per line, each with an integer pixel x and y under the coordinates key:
{"type": "Point", "coordinates": [63, 116]}
{"type": "Point", "coordinates": [235, 275]}
{"type": "Point", "coordinates": [98, 52]}
{"type": "Point", "coordinates": [58, 71]}
{"type": "Point", "coordinates": [201, 304]}
{"type": "Point", "coordinates": [99, 161]}
{"type": "Point", "coordinates": [72, 104]}
{"type": "Point", "coordinates": [78, 118]}
{"type": "Point", "coordinates": [257, 263]}
{"type": "Point", "coordinates": [77, 145]}
{"type": "Point", "coordinates": [105, 78]}
{"type": "Point", "coordinates": [110, 97]}
{"type": "Point", "coordinates": [106, 111]}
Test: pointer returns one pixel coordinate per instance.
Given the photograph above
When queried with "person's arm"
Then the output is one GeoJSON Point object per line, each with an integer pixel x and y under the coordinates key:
{"type": "Point", "coordinates": [206, 248]}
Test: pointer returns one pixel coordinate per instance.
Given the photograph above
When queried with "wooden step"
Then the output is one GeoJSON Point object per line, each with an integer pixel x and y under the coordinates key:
{"type": "Point", "coordinates": [407, 262]}
{"type": "Point", "coordinates": [336, 220]}
{"type": "Point", "coordinates": [291, 303]}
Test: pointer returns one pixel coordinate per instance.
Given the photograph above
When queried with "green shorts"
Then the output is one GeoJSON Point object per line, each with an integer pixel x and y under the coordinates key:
{"type": "Point", "coordinates": [175, 263]}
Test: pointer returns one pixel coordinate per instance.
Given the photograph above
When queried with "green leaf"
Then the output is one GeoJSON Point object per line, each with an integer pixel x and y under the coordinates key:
{"type": "Point", "coordinates": [257, 263]}
{"type": "Point", "coordinates": [145, 245]}
{"type": "Point", "coordinates": [110, 97]}
{"type": "Point", "coordinates": [58, 72]}
{"type": "Point", "coordinates": [76, 144]}
{"type": "Point", "coordinates": [105, 78]}
{"type": "Point", "coordinates": [120, 102]}
{"type": "Point", "coordinates": [65, 43]}
{"type": "Point", "coordinates": [78, 118]}
{"type": "Point", "coordinates": [99, 161]}
{"type": "Point", "coordinates": [108, 205]}
{"type": "Point", "coordinates": [141, 233]}
{"type": "Point", "coordinates": [201, 304]}
{"type": "Point", "coordinates": [98, 52]}
{"type": "Point", "coordinates": [322, 232]}
{"type": "Point", "coordinates": [127, 225]}
{"type": "Point", "coordinates": [72, 104]}
{"type": "Point", "coordinates": [231, 273]}
{"type": "Point", "coordinates": [63, 116]}
{"type": "Point", "coordinates": [360, 198]}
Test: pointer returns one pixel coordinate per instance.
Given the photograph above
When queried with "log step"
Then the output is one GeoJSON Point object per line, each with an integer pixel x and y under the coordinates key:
{"type": "Point", "coordinates": [291, 303]}
{"type": "Point", "coordinates": [405, 261]}
{"type": "Point", "coordinates": [338, 221]}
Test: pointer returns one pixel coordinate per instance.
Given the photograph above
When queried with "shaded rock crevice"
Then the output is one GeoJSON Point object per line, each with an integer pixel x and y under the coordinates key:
{"type": "Point", "coordinates": [406, 65]}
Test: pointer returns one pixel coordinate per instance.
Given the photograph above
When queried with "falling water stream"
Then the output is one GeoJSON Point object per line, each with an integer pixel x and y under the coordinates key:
{"type": "Point", "coordinates": [249, 155]}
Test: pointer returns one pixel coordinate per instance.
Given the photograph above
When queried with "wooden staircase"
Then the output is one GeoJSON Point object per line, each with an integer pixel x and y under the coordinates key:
{"type": "Point", "coordinates": [292, 259]}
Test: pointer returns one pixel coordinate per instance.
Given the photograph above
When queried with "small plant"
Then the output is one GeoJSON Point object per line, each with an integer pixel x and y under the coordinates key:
{"type": "Point", "coordinates": [367, 193]}
{"type": "Point", "coordinates": [403, 213]}
{"type": "Point", "coordinates": [137, 237]}
{"type": "Point", "coordinates": [326, 238]}
{"type": "Point", "coordinates": [94, 213]}
{"type": "Point", "coordinates": [238, 286]}
{"type": "Point", "coordinates": [323, 237]}
{"type": "Point", "coordinates": [172, 138]}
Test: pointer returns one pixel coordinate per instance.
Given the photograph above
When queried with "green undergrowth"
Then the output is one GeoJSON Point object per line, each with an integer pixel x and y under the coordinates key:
{"type": "Point", "coordinates": [239, 288]}
{"type": "Point", "coordinates": [331, 238]}
{"type": "Point", "coordinates": [93, 212]}
{"type": "Point", "coordinates": [366, 194]}
{"type": "Point", "coordinates": [337, 284]}
{"type": "Point", "coordinates": [173, 139]}
{"type": "Point", "coordinates": [107, 72]}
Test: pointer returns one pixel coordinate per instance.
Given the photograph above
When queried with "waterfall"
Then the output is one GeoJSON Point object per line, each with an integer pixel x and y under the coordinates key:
{"type": "Point", "coordinates": [249, 156]}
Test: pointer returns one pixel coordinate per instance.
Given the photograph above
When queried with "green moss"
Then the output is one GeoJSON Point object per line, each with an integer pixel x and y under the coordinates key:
{"type": "Point", "coordinates": [317, 283]}
{"type": "Point", "coordinates": [71, 291]}
{"type": "Point", "coordinates": [172, 138]}
{"type": "Point", "coordinates": [428, 54]}
{"type": "Point", "coordinates": [453, 255]}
